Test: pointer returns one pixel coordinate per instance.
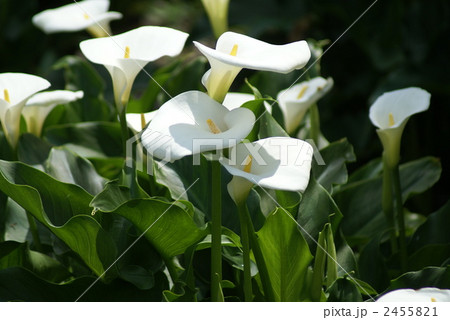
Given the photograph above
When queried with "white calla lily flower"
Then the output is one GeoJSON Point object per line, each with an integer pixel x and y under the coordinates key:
{"type": "Point", "coordinates": [390, 113]}
{"type": "Point", "coordinates": [420, 295]}
{"type": "Point", "coordinates": [15, 90]}
{"type": "Point", "coordinates": [138, 121]}
{"type": "Point", "coordinates": [235, 51]}
{"type": "Point", "coordinates": [235, 100]}
{"type": "Point", "coordinates": [125, 55]}
{"type": "Point", "coordinates": [295, 101]}
{"type": "Point", "coordinates": [191, 123]}
{"type": "Point", "coordinates": [41, 104]}
{"type": "Point", "coordinates": [217, 11]}
{"type": "Point", "coordinates": [279, 163]}
{"type": "Point", "coordinates": [92, 15]}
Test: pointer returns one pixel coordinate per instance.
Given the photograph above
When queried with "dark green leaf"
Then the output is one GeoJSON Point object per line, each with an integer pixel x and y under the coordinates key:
{"type": "Point", "coordinates": [344, 290]}
{"type": "Point", "coordinates": [428, 277]}
{"type": "Point", "coordinates": [17, 284]}
{"type": "Point", "coordinates": [89, 139]}
{"type": "Point", "coordinates": [169, 227]}
{"type": "Point", "coordinates": [432, 231]}
{"type": "Point", "coordinates": [333, 170]}
{"type": "Point", "coordinates": [315, 209]}
{"type": "Point", "coordinates": [15, 254]}
{"type": "Point", "coordinates": [361, 200]}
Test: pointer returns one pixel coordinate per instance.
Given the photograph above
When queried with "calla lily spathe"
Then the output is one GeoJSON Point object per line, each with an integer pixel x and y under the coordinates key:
{"type": "Point", "coordinates": [420, 295]}
{"type": "Point", "coordinates": [295, 101]}
{"type": "Point", "coordinates": [279, 163]}
{"type": "Point", "coordinates": [39, 106]}
{"type": "Point", "coordinates": [125, 55]}
{"type": "Point", "coordinates": [15, 90]}
{"type": "Point", "coordinates": [217, 11]}
{"type": "Point", "coordinates": [235, 51]}
{"type": "Point", "coordinates": [390, 113]}
{"type": "Point", "coordinates": [138, 121]}
{"type": "Point", "coordinates": [191, 123]}
{"type": "Point", "coordinates": [91, 15]}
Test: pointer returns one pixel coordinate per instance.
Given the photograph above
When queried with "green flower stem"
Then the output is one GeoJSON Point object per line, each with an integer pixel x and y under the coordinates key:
{"type": "Point", "coordinates": [248, 295]}
{"type": "Point", "coordinates": [315, 123]}
{"type": "Point", "coordinates": [387, 203]}
{"type": "Point", "coordinates": [129, 173]}
{"type": "Point", "coordinates": [34, 232]}
{"type": "Point", "coordinates": [260, 262]}
{"type": "Point", "coordinates": [400, 217]}
{"type": "Point", "coordinates": [124, 128]}
{"type": "Point", "coordinates": [216, 232]}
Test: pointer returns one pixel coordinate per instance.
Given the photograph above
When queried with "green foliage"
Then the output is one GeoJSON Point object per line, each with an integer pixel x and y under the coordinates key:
{"type": "Point", "coordinates": [287, 256]}
{"type": "Point", "coordinates": [73, 213]}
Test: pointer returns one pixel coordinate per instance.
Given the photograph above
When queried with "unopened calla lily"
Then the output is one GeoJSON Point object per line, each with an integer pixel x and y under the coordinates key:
{"type": "Point", "coordinates": [192, 122]}
{"type": "Point", "coordinates": [125, 55]}
{"type": "Point", "coordinates": [390, 113]}
{"type": "Point", "coordinates": [420, 295]}
{"type": "Point", "coordinates": [295, 101]}
{"type": "Point", "coordinates": [235, 51]}
{"type": "Point", "coordinates": [92, 15]}
{"type": "Point", "coordinates": [15, 90]}
{"type": "Point", "coordinates": [278, 163]}
{"type": "Point", "coordinates": [39, 106]}
{"type": "Point", "coordinates": [217, 11]}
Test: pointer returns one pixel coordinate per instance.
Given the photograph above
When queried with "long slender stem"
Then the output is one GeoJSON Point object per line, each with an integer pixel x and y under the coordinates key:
{"type": "Point", "coordinates": [216, 232]}
{"type": "Point", "coordinates": [260, 262]}
{"type": "Point", "coordinates": [248, 294]}
{"type": "Point", "coordinates": [124, 128]}
{"type": "Point", "coordinates": [34, 232]}
{"type": "Point", "coordinates": [387, 203]}
{"type": "Point", "coordinates": [315, 123]}
{"type": "Point", "coordinates": [400, 217]}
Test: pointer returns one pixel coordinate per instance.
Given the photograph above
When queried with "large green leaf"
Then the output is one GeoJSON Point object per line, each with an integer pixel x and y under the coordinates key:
{"type": "Point", "coordinates": [315, 210]}
{"type": "Point", "coordinates": [333, 170]}
{"type": "Point", "coordinates": [428, 277]}
{"type": "Point", "coordinates": [360, 201]}
{"type": "Point", "coordinates": [169, 227]}
{"type": "Point", "coordinates": [60, 163]}
{"type": "Point", "coordinates": [432, 231]}
{"type": "Point", "coordinates": [287, 256]}
{"type": "Point", "coordinates": [63, 208]}
{"type": "Point", "coordinates": [88, 139]}
{"type": "Point", "coordinates": [372, 265]}
{"type": "Point", "coordinates": [69, 168]}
